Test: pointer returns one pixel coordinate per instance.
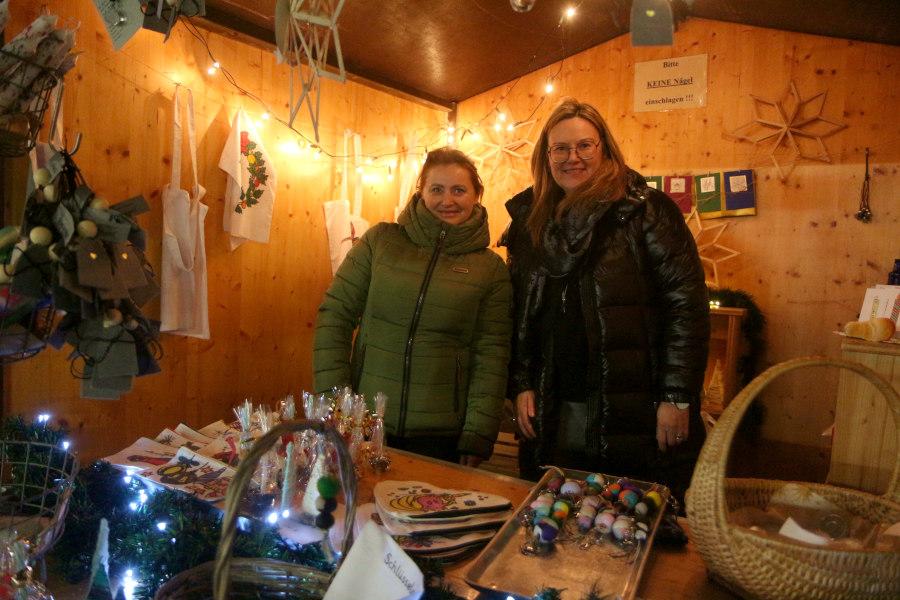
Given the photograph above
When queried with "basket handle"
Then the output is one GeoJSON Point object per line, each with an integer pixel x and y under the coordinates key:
{"type": "Point", "coordinates": [709, 474]}
{"type": "Point", "coordinates": [241, 481]}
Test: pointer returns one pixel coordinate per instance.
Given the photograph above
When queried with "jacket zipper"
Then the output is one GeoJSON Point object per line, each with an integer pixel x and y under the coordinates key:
{"type": "Point", "coordinates": [457, 385]}
{"type": "Point", "coordinates": [413, 325]}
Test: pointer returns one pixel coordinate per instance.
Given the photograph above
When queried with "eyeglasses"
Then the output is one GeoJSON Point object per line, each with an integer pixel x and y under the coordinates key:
{"type": "Point", "coordinates": [585, 149]}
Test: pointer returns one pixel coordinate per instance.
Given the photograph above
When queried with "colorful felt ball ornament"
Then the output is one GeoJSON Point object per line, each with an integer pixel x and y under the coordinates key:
{"type": "Point", "coordinates": [654, 497]}
{"type": "Point", "coordinates": [546, 530]}
{"type": "Point", "coordinates": [328, 486]}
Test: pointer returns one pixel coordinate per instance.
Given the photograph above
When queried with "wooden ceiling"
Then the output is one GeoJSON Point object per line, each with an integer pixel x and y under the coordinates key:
{"type": "Point", "coordinates": [445, 51]}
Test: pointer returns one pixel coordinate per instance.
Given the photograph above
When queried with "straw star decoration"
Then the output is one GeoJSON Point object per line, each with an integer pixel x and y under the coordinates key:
{"type": "Point", "coordinates": [305, 32]}
{"type": "Point", "coordinates": [796, 125]}
{"type": "Point", "coordinates": [506, 139]}
{"type": "Point", "coordinates": [711, 251]}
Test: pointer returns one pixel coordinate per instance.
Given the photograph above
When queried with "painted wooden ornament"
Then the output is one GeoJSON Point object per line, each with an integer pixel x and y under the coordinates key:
{"type": "Point", "coordinates": [40, 236]}
{"type": "Point", "coordinates": [86, 229]}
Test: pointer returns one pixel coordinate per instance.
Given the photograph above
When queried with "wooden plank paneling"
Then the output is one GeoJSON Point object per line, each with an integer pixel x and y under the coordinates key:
{"type": "Point", "coordinates": [262, 297]}
{"type": "Point", "coordinates": [805, 259]}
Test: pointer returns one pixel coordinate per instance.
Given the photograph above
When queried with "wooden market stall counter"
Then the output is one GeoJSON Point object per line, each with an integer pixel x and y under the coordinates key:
{"type": "Point", "coordinates": [670, 574]}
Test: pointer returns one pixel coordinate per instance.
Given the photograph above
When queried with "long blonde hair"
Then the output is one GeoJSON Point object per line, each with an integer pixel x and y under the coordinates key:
{"type": "Point", "coordinates": [607, 183]}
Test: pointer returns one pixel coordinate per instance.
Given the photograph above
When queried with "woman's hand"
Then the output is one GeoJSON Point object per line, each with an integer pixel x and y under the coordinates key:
{"type": "Point", "coordinates": [525, 413]}
{"type": "Point", "coordinates": [671, 425]}
{"type": "Point", "coordinates": [470, 460]}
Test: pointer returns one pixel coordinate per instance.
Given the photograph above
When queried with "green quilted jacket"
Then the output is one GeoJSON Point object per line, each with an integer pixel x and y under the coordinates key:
{"type": "Point", "coordinates": [432, 304]}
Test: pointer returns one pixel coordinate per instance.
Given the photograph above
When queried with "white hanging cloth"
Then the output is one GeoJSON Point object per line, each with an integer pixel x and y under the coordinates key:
{"type": "Point", "coordinates": [184, 308]}
{"type": "Point", "coordinates": [250, 194]}
{"type": "Point", "coordinates": [343, 225]}
{"type": "Point", "coordinates": [409, 172]}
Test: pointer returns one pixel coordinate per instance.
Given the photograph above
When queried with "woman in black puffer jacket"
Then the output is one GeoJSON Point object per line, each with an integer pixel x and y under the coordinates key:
{"type": "Point", "coordinates": [611, 312]}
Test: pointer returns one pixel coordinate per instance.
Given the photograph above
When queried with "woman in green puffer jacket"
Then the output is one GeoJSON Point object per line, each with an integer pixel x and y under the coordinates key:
{"type": "Point", "coordinates": [430, 305]}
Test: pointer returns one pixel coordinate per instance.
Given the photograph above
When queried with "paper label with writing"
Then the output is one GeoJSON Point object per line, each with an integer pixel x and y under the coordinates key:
{"type": "Point", "coordinates": [678, 82]}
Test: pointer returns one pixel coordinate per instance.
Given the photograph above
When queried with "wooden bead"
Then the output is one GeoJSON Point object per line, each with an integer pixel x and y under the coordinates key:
{"type": "Point", "coordinates": [99, 203]}
{"type": "Point", "coordinates": [87, 229]}
{"type": "Point", "coordinates": [49, 192]}
{"type": "Point", "coordinates": [40, 236]}
{"type": "Point", "coordinates": [41, 177]}
{"type": "Point", "coordinates": [324, 520]}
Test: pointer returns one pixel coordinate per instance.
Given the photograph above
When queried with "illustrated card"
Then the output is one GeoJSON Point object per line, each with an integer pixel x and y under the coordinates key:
{"type": "Point", "coordinates": [142, 454]}
{"type": "Point", "coordinates": [218, 429]}
{"type": "Point", "coordinates": [195, 436]}
{"type": "Point", "coordinates": [170, 438]}
{"type": "Point", "coordinates": [192, 473]}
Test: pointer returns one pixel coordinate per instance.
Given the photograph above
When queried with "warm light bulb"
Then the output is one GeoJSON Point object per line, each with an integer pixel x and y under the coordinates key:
{"type": "Point", "coordinates": [211, 71]}
{"type": "Point", "coordinates": [501, 116]}
{"type": "Point", "coordinates": [570, 12]}
{"type": "Point", "coordinates": [359, 170]}
{"type": "Point", "coordinates": [476, 136]}
{"type": "Point", "coordinates": [497, 127]}
{"type": "Point", "coordinates": [216, 65]}
{"type": "Point", "coordinates": [450, 128]}
{"type": "Point", "coordinates": [266, 116]}
{"type": "Point", "coordinates": [549, 87]}
{"type": "Point", "coordinates": [369, 160]}
{"type": "Point", "coordinates": [510, 127]}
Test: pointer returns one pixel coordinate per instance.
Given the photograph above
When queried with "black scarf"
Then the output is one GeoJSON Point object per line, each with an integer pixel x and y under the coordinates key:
{"type": "Point", "coordinates": [566, 240]}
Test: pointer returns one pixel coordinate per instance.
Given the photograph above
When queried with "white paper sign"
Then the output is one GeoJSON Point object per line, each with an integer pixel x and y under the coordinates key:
{"type": "Point", "coordinates": [707, 184]}
{"type": "Point", "coordinates": [671, 83]}
{"type": "Point", "coordinates": [676, 185]}
{"type": "Point", "coordinates": [738, 183]}
{"type": "Point", "coordinates": [376, 568]}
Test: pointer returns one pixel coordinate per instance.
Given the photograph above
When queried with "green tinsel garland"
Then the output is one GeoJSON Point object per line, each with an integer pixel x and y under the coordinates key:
{"type": "Point", "coordinates": [190, 537]}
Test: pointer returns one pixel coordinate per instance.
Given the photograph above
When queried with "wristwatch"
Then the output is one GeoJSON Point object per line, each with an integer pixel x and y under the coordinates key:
{"type": "Point", "coordinates": [673, 399]}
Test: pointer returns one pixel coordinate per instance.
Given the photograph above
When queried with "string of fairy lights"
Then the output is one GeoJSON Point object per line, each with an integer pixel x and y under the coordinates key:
{"type": "Point", "coordinates": [390, 160]}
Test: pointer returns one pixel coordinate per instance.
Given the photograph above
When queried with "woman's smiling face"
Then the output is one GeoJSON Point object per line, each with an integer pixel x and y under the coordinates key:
{"type": "Point", "coordinates": [449, 193]}
{"type": "Point", "coordinates": [574, 171]}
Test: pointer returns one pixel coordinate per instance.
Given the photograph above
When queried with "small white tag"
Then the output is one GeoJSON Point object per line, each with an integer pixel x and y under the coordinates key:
{"type": "Point", "coordinates": [738, 183]}
{"type": "Point", "coordinates": [676, 185]}
{"type": "Point", "coordinates": [707, 184]}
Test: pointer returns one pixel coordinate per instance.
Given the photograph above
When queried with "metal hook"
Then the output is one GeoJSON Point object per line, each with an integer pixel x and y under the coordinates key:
{"type": "Point", "coordinates": [57, 106]}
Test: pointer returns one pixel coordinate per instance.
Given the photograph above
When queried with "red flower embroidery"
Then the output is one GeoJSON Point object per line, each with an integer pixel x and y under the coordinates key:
{"type": "Point", "coordinates": [245, 139]}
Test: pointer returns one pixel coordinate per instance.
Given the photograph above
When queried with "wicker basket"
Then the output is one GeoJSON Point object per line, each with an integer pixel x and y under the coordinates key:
{"type": "Point", "coordinates": [228, 578]}
{"type": "Point", "coordinates": [755, 566]}
{"type": "Point", "coordinates": [37, 482]}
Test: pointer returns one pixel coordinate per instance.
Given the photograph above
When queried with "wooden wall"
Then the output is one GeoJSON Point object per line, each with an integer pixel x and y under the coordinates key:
{"type": "Point", "coordinates": [805, 259]}
{"type": "Point", "coordinates": [262, 297]}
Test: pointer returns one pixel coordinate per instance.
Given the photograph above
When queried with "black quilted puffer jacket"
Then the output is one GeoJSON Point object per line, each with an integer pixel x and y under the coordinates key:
{"type": "Point", "coordinates": [646, 315]}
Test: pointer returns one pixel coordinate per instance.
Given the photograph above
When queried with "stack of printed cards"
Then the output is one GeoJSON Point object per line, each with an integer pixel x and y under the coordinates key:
{"type": "Point", "coordinates": [441, 523]}
{"type": "Point", "coordinates": [197, 462]}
